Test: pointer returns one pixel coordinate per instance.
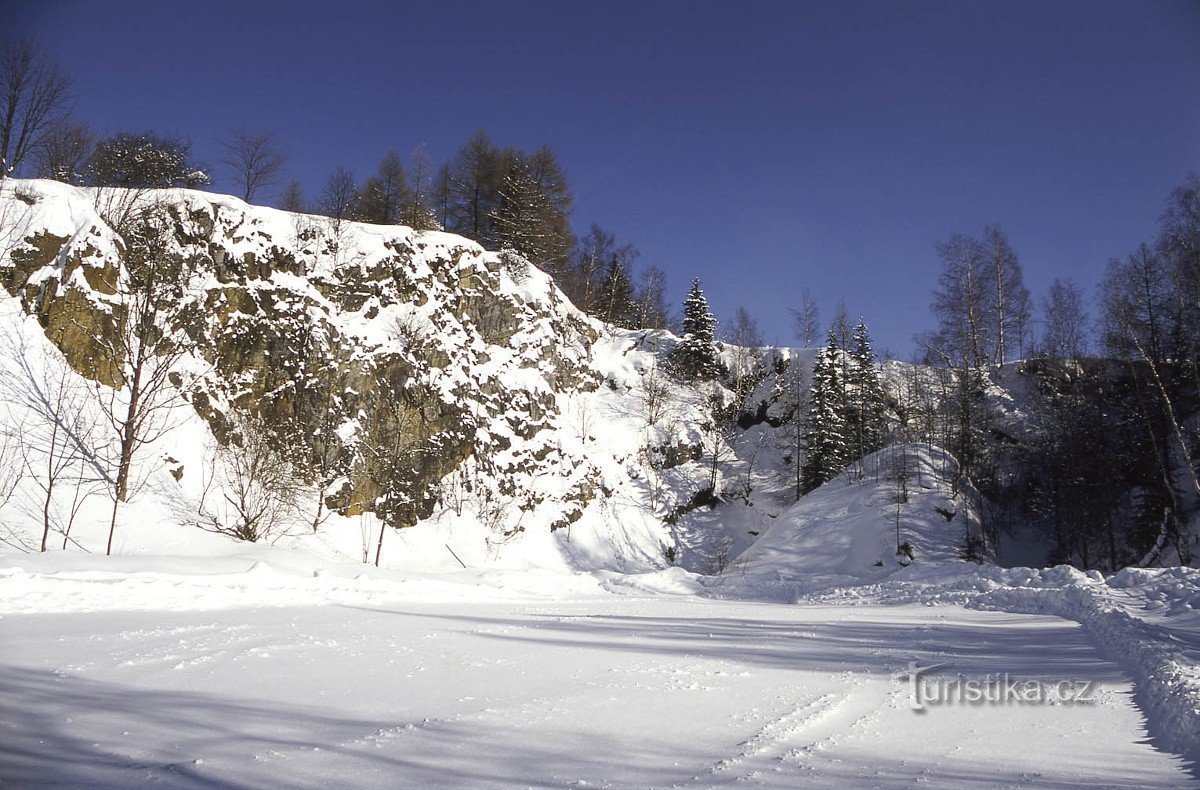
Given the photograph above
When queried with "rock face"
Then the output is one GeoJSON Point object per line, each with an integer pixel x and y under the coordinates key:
{"type": "Point", "coordinates": [383, 357]}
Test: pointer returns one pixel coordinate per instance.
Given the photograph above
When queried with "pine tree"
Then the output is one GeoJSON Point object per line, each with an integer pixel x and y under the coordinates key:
{"type": "Point", "coordinates": [696, 355]}
{"type": "Point", "coordinates": [825, 434]}
{"type": "Point", "coordinates": [865, 400]}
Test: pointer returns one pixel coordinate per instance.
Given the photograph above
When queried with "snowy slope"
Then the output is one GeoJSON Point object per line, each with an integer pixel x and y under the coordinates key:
{"type": "Point", "coordinates": [847, 531]}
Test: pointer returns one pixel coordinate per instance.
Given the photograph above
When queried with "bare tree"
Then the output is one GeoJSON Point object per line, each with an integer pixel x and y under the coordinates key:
{"type": "Point", "coordinates": [651, 299]}
{"type": "Point", "coordinates": [1010, 300]}
{"type": "Point", "coordinates": [897, 471]}
{"type": "Point", "coordinates": [338, 197]}
{"type": "Point", "coordinates": [443, 196]}
{"type": "Point", "coordinates": [254, 159]}
{"type": "Point", "coordinates": [383, 197]}
{"type": "Point", "coordinates": [747, 342]}
{"type": "Point", "coordinates": [292, 198]}
{"type": "Point", "coordinates": [56, 448]}
{"type": "Point", "coordinates": [654, 391]}
{"type": "Point", "coordinates": [807, 319]}
{"type": "Point", "coordinates": [147, 347]}
{"type": "Point", "coordinates": [64, 152]}
{"type": "Point", "coordinates": [252, 486]}
{"type": "Point", "coordinates": [11, 466]}
{"type": "Point", "coordinates": [961, 303]}
{"type": "Point", "coordinates": [717, 434]}
{"type": "Point", "coordinates": [34, 94]}
{"type": "Point", "coordinates": [419, 213]}
{"type": "Point", "coordinates": [54, 430]}
{"type": "Point", "coordinates": [1064, 321]}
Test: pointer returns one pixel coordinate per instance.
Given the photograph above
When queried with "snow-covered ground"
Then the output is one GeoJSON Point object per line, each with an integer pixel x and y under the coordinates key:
{"type": "Point", "coordinates": [237, 665]}
{"type": "Point", "coordinates": [138, 676]}
{"type": "Point", "coordinates": [653, 641]}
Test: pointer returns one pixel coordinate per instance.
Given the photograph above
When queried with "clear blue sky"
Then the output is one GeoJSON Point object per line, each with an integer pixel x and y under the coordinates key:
{"type": "Point", "coordinates": [764, 147]}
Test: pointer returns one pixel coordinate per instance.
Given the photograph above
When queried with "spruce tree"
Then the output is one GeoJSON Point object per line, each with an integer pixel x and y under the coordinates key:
{"type": "Point", "coordinates": [696, 355]}
{"type": "Point", "coordinates": [825, 433]}
{"type": "Point", "coordinates": [865, 401]}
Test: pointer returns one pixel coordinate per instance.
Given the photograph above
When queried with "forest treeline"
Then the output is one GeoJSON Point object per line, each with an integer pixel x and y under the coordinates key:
{"type": "Point", "coordinates": [1100, 458]}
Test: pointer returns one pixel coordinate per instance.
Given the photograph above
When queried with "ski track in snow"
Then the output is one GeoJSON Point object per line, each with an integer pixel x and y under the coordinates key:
{"type": "Point", "coordinates": [612, 691]}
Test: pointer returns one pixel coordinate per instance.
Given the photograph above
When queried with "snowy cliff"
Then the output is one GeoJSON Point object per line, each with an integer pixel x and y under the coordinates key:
{"type": "Point", "coordinates": [408, 379]}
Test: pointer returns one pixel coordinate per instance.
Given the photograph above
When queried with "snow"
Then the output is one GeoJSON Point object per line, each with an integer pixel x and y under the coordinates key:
{"type": "Point", "coordinates": [766, 652]}
{"type": "Point", "coordinates": [612, 691]}
{"type": "Point", "coordinates": [190, 671]}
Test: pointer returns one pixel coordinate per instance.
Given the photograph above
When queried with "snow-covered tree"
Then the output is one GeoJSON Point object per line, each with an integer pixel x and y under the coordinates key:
{"type": "Point", "coordinates": [696, 355]}
{"type": "Point", "coordinates": [825, 434]}
{"type": "Point", "coordinates": [865, 403]}
{"type": "Point", "coordinates": [143, 161]}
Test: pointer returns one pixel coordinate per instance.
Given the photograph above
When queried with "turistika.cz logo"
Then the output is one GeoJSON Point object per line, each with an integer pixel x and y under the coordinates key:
{"type": "Point", "coordinates": [927, 689]}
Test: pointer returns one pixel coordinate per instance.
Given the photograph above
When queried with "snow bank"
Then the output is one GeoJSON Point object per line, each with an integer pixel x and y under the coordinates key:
{"type": "Point", "coordinates": [1147, 621]}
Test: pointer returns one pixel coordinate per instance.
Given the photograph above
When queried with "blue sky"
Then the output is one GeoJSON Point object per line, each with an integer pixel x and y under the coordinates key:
{"type": "Point", "coordinates": [764, 147]}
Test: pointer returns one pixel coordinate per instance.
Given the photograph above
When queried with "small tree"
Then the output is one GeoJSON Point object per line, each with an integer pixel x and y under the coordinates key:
{"type": "Point", "coordinates": [1064, 321]}
{"type": "Point", "coordinates": [865, 413]}
{"type": "Point", "coordinates": [419, 212]}
{"type": "Point", "coordinates": [897, 471]}
{"type": "Point", "coordinates": [651, 299]}
{"type": "Point", "coordinates": [292, 198]}
{"type": "Point", "coordinates": [254, 160]}
{"type": "Point", "coordinates": [64, 151]}
{"type": "Point", "coordinates": [253, 485]}
{"type": "Point", "coordinates": [807, 320]}
{"type": "Point", "coordinates": [616, 293]}
{"type": "Point", "coordinates": [53, 429]}
{"type": "Point", "coordinates": [696, 356]}
{"type": "Point", "coordinates": [146, 348]}
{"type": "Point", "coordinates": [383, 197]}
{"type": "Point", "coordinates": [339, 197]}
{"type": "Point", "coordinates": [825, 432]}
{"type": "Point", "coordinates": [748, 369]}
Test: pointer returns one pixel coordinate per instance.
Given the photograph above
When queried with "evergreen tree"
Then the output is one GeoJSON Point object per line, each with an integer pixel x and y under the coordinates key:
{"type": "Point", "coordinates": [865, 400]}
{"type": "Point", "coordinates": [825, 432]}
{"type": "Point", "coordinates": [696, 355]}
